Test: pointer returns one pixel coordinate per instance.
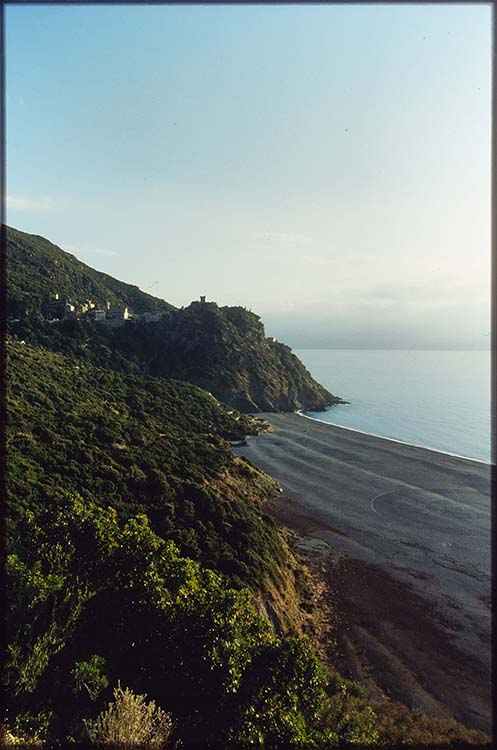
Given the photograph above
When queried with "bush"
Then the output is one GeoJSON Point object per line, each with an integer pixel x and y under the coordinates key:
{"type": "Point", "coordinates": [88, 675]}
{"type": "Point", "coordinates": [130, 722]}
{"type": "Point", "coordinates": [26, 731]}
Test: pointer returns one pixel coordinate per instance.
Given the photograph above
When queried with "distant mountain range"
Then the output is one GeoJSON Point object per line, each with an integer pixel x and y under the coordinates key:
{"type": "Point", "coordinates": [221, 349]}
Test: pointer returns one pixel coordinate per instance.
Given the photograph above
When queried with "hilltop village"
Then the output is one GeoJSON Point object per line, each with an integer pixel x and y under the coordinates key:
{"type": "Point", "coordinates": [58, 308]}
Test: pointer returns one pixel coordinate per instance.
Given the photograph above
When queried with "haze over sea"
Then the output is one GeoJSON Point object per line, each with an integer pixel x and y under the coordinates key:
{"type": "Point", "coordinates": [435, 399]}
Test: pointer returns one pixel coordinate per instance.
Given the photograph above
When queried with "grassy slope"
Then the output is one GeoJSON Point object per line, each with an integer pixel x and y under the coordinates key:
{"type": "Point", "coordinates": [36, 267]}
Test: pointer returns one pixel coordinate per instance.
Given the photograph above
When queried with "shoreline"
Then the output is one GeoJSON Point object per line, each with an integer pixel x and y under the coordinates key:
{"type": "Point", "coordinates": [394, 440]}
{"type": "Point", "coordinates": [423, 546]}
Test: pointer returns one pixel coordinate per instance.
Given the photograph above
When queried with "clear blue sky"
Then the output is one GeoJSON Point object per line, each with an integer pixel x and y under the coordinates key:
{"type": "Point", "coordinates": [326, 166]}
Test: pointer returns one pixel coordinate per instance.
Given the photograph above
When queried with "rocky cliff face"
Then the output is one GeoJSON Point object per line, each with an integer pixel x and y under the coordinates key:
{"type": "Point", "coordinates": [225, 350]}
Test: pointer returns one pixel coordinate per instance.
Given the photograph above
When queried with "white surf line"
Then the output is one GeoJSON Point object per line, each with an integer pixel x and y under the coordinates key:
{"type": "Point", "coordinates": [395, 440]}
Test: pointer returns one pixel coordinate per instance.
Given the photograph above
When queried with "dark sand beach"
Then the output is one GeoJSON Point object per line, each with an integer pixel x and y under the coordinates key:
{"type": "Point", "coordinates": [405, 536]}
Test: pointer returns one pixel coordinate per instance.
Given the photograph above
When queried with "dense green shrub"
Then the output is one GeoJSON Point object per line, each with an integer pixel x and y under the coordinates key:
{"type": "Point", "coordinates": [141, 445]}
{"type": "Point", "coordinates": [96, 600]}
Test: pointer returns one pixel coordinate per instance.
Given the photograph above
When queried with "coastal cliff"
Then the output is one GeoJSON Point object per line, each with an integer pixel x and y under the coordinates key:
{"type": "Point", "coordinates": [54, 299]}
{"type": "Point", "coordinates": [225, 351]}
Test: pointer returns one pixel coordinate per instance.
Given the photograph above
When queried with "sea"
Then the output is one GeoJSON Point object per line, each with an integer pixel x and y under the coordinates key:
{"type": "Point", "coordinates": [434, 399]}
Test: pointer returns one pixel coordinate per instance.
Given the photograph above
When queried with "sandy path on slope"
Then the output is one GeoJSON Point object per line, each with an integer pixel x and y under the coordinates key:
{"type": "Point", "coordinates": [408, 531]}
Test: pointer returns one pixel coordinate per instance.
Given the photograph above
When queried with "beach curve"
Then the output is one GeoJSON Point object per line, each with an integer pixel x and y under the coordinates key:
{"type": "Point", "coordinates": [301, 413]}
{"type": "Point", "coordinates": [415, 546]}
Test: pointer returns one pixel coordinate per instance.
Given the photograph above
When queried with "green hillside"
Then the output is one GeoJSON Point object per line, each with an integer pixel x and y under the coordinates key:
{"type": "Point", "coordinates": [37, 268]}
{"type": "Point", "coordinates": [130, 528]}
{"type": "Point", "coordinates": [142, 445]}
{"type": "Point", "coordinates": [221, 349]}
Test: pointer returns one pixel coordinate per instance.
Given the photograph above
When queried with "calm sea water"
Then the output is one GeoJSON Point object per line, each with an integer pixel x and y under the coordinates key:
{"type": "Point", "coordinates": [436, 399]}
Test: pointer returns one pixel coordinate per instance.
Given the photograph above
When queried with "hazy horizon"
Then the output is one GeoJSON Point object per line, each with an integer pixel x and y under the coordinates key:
{"type": "Point", "coordinates": [327, 167]}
